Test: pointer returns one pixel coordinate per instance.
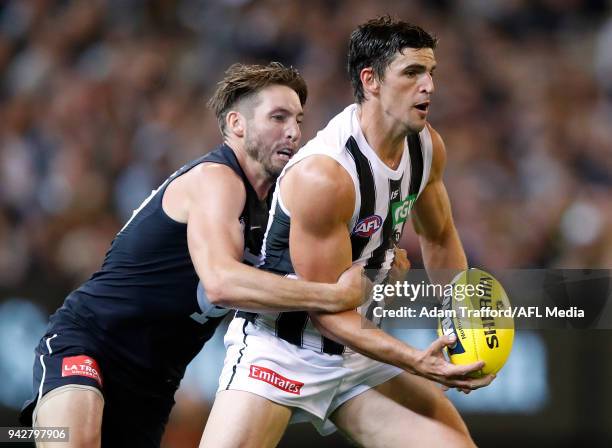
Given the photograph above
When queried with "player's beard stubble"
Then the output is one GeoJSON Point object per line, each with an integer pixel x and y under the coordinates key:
{"type": "Point", "coordinates": [262, 153]}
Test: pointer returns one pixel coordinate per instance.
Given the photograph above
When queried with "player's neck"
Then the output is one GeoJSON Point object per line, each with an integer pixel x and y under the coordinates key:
{"type": "Point", "coordinates": [385, 137]}
{"type": "Point", "coordinates": [253, 170]}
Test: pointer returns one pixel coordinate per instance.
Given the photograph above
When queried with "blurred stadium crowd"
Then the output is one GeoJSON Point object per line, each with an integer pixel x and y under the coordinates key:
{"type": "Point", "coordinates": [102, 100]}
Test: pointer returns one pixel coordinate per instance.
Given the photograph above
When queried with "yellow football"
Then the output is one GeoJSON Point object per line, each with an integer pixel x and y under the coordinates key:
{"type": "Point", "coordinates": [481, 317]}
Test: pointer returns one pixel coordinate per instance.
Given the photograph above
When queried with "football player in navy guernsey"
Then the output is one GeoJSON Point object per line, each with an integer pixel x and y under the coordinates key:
{"type": "Point", "coordinates": [115, 352]}
{"type": "Point", "coordinates": [343, 199]}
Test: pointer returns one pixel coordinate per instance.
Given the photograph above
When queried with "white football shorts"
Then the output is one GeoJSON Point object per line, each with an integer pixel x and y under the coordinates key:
{"type": "Point", "coordinates": [313, 384]}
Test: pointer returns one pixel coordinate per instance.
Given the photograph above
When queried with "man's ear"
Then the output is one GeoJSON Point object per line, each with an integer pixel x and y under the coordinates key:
{"type": "Point", "coordinates": [369, 81]}
{"type": "Point", "coordinates": [235, 123]}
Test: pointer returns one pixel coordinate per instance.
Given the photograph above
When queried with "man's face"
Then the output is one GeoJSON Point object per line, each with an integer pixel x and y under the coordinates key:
{"type": "Point", "coordinates": [273, 127]}
{"type": "Point", "coordinates": [406, 89]}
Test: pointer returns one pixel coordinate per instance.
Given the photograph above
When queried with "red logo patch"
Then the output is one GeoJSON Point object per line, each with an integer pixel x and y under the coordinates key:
{"type": "Point", "coordinates": [367, 226]}
{"type": "Point", "coordinates": [276, 380]}
{"type": "Point", "coordinates": [83, 366]}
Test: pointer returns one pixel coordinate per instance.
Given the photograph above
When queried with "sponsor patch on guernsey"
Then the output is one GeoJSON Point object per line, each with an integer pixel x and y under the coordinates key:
{"type": "Point", "coordinates": [81, 366]}
{"type": "Point", "coordinates": [275, 379]}
{"type": "Point", "coordinates": [367, 226]}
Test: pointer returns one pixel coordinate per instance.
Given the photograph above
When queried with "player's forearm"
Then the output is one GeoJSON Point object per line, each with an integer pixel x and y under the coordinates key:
{"type": "Point", "coordinates": [246, 288]}
{"type": "Point", "coordinates": [444, 256]}
{"type": "Point", "coordinates": [347, 328]}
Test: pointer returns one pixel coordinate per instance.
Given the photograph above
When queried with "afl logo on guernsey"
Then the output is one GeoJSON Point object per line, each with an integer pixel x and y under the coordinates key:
{"type": "Point", "coordinates": [367, 226]}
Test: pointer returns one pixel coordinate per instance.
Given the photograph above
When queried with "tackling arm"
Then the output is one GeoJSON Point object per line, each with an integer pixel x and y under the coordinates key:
{"type": "Point", "coordinates": [213, 201]}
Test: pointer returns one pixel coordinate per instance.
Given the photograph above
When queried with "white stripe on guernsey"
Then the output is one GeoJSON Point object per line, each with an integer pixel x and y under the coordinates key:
{"type": "Point", "coordinates": [42, 380]}
{"type": "Point", "coordinates": [279, 198]}
{"type": "Point", "coordinates": [144, 204]}
{"type": "Point", "coordinates": [353, 173]}
{"type": "Point", "coordinates": [381, 208]}
{"type": "Point", "coordinates": [275, 199]}
{"type": "Point", "coordinates": [270, 220]}
{"type": "Point", "coordinates": [427, 151]}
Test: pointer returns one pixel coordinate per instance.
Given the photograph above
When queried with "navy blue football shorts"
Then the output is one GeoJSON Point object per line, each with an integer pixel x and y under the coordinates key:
{"type": "Point", "coordinates": [68, 357]}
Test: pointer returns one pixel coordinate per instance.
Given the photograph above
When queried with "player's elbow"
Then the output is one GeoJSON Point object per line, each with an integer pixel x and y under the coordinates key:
{"type": "Point", "coordinates": [349, 301]}
{"type": "Point", "coordinates": [354, 298]}
{"type": "Point", "coordinates": [215, 283]}
{"type": "Point", "coordinates": [214, 292]}
{"type": "Point", "coordinates": [436, 235]}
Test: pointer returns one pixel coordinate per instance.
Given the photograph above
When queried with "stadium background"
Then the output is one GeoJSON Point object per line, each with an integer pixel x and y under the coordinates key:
{"type": "Point", "coordinates": [101, 100]}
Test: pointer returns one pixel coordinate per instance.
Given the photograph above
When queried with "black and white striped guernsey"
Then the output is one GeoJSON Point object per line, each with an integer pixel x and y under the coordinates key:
{"type": "Point", "coordinates": [383, 200]}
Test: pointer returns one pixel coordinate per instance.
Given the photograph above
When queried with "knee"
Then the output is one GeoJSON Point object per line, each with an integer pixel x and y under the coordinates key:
{"type": "Point", "coordinates": [79, 435]}
{"type": "Point", "coordinates": [80, 412]}
{"type": "Point", "coordinates": [445, 412]}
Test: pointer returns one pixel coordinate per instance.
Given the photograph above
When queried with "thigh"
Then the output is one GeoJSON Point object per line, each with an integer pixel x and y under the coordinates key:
{"type": "Point", "coordinates": [77, 407]}
{"type": "Point", "coordinates": [423, 397]}
{"type": "Point", "coordinates": [372, 419]}
{"type": "Point", "coordinates": [67, 388]}
{"type": "Point", "coordinates": [134, 419]}
{"type": "Point", "coordinates": [242, 419]}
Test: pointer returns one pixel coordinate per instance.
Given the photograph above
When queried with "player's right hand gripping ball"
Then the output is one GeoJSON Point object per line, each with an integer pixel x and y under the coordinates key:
{"type": "Point", "coordinates": [480, 317]}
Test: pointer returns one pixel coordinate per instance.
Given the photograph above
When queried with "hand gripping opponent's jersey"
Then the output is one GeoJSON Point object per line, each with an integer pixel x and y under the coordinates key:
{"type": "Point", "coordinates": [383, 200]}
{"type": "Point", "coordinates": [143, 309]}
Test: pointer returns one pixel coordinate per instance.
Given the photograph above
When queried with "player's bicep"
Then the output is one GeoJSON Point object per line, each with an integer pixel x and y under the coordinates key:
{"type": "Point", "coordinates": [432, 215]}
{"type": "Point", "coordinates": [214, 232]}
{"type": "Point", "coordinates": [320, 196]}
{"type": "Point", "coordinates": [319, 254]}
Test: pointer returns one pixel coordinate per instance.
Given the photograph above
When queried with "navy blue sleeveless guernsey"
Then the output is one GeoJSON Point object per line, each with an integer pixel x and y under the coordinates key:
{"type": "Point", "coordinates": [141, 309]}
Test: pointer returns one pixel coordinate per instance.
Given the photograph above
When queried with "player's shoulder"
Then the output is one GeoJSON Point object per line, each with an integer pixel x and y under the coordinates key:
{"type": "Point", "coordinates": [438, 150]}
{"type": "Point", "coordinates": [321, 180]}
{"type": "Point", "coordinates": [333, 137]}
{"type": "Point", "coordinates": [214, 174]}
{"type": "Point", "coordinates": [436, 139]}
{"type": "Point", "coordinates": [324, 159]}
{"type": "Point", "coordinates": [321, 168]}
{"type": "Point", "coordinates": [220, 165]}
{"type": "Point", "coordinates": [320, 171]}
{"type": "Point", "coordinates": [204, 184]}
{"type": "Point", "coordinates": [213, 170]}
{"type": "Point", "coordinates": [210, 181]}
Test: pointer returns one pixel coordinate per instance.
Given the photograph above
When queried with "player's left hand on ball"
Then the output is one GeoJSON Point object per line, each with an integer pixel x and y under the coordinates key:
{"type": "Point", "coordinates": [432, 364]}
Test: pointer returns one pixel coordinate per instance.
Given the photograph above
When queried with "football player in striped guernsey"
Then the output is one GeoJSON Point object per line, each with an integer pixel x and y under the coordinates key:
{"type": "Point", "coordinates": [342, 200]}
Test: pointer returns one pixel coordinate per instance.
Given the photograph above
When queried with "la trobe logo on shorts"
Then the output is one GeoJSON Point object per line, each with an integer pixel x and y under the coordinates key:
{"type": "Point", "coordinates": [82, 366]}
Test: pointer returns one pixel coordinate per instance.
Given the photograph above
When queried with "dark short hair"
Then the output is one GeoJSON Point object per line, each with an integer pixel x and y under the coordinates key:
{"type": "Point", "coordinates": [242, 81]}
{"type": "Point", "coordinates": [375, 44]}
